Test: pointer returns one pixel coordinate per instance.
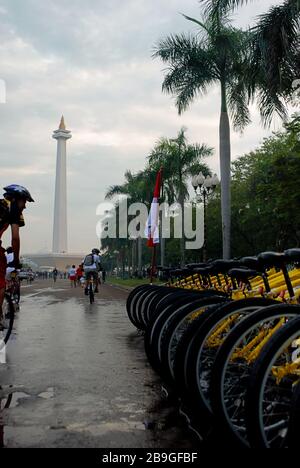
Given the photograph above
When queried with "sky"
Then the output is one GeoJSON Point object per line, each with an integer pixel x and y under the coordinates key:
{"type": "Point", "coordinates": [90, 60]}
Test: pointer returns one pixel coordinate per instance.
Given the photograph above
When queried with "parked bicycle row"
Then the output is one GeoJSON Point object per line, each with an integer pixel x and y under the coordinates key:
{"type": "Point", "coordinates": [226, 337]}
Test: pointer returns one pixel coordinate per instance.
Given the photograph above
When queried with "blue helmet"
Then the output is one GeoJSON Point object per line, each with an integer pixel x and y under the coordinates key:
{"type": "Point", "coordinates": [17, 191]}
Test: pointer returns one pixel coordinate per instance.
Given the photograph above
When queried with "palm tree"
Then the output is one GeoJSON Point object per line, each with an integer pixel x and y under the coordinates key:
{"type": "Point", "coordinates": [136, 188]}
{"type": "Point", "coordinates": [217, 55]}
{"type": "Point", "coordinates": [179, 160]}
{"type": "Point", "coordinates": [275, 53]}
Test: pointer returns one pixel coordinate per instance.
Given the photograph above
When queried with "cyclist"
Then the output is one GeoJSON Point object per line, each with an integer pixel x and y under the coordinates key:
{"type": "Point", "coordinates": [11, 209]}
{"type": "Point", "coordinates": [91, 267]}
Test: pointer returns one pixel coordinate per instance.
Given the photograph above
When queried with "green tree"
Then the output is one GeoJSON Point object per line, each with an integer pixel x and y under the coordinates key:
{"type": "Point", "coordinates": [180, 160]}
{"type": "Point", "coordinates": [274, 61]}
{"type": "Point", "coordinates": [265, 197]}
{"type": "Point", "coordinates": [136, 187]}
{"type": "Point", "coordinates": [217, 54]}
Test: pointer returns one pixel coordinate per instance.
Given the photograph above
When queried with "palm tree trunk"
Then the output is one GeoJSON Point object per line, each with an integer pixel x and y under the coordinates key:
{"type": "Point", "coordinates": [225, 160]}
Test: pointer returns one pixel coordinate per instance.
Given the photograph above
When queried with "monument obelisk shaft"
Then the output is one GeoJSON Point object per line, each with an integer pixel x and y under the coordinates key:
{"type": "Point", "coordinates": [60, 231]}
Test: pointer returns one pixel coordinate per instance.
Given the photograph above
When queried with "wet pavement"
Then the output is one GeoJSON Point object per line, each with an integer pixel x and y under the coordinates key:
{"type": "Point", "coordinates": [78, 376]}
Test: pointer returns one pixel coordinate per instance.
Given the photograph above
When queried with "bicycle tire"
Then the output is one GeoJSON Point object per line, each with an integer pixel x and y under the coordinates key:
{"type": "Point", "coordinates": [153, 351]}
{"type": "Point", "coordinates": [91, 294]}
{"type": "Point", "coordinates": [257, 381]}
{"type": "Point", "coordinates": [293, 429]}
{"type": "Point", "coordinates": [219, 397]}
{"type": "Point", "coordinates": [9, 313]}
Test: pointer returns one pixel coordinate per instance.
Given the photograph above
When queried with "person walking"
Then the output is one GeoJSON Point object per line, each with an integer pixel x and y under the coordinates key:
{"type": "Point", "coordinates": [55, 274]}
{"type": "Point", "coordinates": [79, 273]}
{"type": "Point", "coordinates": [72, 276]}
{"type": "Point", "coordinates": [103, 275]}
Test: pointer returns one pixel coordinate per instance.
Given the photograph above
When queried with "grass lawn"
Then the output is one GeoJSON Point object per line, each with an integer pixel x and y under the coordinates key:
{"type": "Point", "coordinates": [129, 282]}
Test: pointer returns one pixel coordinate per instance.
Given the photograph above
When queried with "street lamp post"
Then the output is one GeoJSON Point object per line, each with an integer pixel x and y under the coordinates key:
{"type": "Point", "coordinates": [204, 188]}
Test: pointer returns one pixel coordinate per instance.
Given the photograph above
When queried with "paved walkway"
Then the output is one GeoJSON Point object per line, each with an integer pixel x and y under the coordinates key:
{"type": "Point", "coordinates": [79, 376]}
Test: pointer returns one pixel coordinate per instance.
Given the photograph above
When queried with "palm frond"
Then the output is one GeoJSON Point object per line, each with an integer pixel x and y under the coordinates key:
{"type": "Point", "coordinates": [238, 101]}
{"type": "Point", "coordinates": [200, 23]}
{"type": "Point", "coordinates": [269, 104]}
{"type": "Point", "coordinates": [276, 45]}
{"type": "Point", "coordinates": [114, 190]}
{"type": "Point", "coordinates": [196, 168]}
{"type": "Point", "coordinates": [191, 68]}
{"type": "Point", "coordinates": [216, 8]}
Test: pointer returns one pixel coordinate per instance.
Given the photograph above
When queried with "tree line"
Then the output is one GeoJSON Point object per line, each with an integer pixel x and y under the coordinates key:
{"type": "Point", "coordinates": [255, 206]}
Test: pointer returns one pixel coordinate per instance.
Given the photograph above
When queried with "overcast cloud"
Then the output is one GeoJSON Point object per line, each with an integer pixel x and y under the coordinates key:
{"type": "Point", "coordinates": [91, 61]}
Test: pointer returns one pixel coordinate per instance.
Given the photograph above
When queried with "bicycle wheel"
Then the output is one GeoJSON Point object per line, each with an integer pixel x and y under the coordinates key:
{"type": "Point", "coordinates": [16, 293]}
{"type": "Point", "coordinates": [233, 364]}
{"type": "Point", "coordinates": [158, 304]}
{"type": "Point", "coordinates": [270, 390]}
{"type": "Point", "coordinates": [201, 354]}
{"type": "Point", "coordinates": [150, 302]}
{"type": "Point", "coordinates": [137, 304]}
{"type": "Point", "coordinates": [8, 320]}
{"type": "Point", "coordinates": [293, 430]}
{"type": "Point", "coordinates": [91, 293]}
{"type": "Point", "coordinates": [188, 308]}
{"type": "Point", "coordinates": [131, 301]}
{"type": "Point", "coordinates": [174, 329]}
{"type": "Point", "coordinates": [4, 404]}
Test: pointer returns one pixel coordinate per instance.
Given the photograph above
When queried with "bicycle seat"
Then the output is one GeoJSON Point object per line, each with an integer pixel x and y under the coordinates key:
{"type": "Point", "coordinates": [181, 271]}
{"type": "Point", "coordinates": [175, 272]}
{"type": "Point", "coordinates": [272, 259]}
{"type": "Point", "coordinates": [203, 271]}
{"type": "Point", "coordinates": [223, 266]}
{"type": "Point", "coordinates": [192, 266]}
{"type": "Point", "coordinates": [243, 274]}
{"type": "Point", "coordinates": [293, 254]}
{"type": "Point", "coordinates": [252, 263]}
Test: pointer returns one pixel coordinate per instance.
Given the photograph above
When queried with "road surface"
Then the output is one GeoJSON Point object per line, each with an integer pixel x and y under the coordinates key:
{"type": "Point", "coordinates": [78, 376]}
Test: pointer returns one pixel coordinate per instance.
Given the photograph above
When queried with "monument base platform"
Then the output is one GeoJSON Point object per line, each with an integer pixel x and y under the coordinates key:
{"type": "Point", "coordinates": [51, 260]}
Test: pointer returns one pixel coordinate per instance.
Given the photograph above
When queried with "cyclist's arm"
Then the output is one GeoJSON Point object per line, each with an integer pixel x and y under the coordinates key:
{"type": "Point", "coordinates": [15, 243]}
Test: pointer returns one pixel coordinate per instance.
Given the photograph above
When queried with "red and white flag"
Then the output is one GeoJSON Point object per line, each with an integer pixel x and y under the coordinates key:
{"type": "Point", "coordinates": [152, 228]}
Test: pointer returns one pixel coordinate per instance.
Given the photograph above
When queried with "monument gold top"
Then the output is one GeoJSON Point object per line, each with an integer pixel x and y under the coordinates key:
{"type": "Point", "coordinates": [62, 125]}
{"type": "Point", "coordinates": [62, 132]}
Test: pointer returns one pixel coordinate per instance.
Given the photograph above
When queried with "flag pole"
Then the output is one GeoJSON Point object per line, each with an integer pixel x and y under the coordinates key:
{"type": "Point", "coordinates": [153, 261]}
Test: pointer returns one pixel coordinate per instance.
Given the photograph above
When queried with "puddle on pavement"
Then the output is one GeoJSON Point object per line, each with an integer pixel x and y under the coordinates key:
{"type": "Point", "coordinates": [124, 425]}
{"type": "Point", "coordinates": [45, 291]}
{"type": "Point", "coordinates": [11, 398]}
{"type": "Point", "coordinates": [16, 397]}
{"type": "Point", "coordinates": [48, 394]}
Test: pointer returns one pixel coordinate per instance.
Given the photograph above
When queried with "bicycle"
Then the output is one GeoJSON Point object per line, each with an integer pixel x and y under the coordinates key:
{"type": "Point", "coordinates": [269, 397]}
{"type": "Point", "coordinates": [184, 334]}
{"type": "Point", "coordinates": [13, 287]}
{"type": "Point", "coordinates": [8, 316]}
{"type": "Point", "coordinates": [234, 363]}
{"type": "Point", "coordinates": [4, 404]}
{"type": "Point", "coordinates": [91, 286]}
